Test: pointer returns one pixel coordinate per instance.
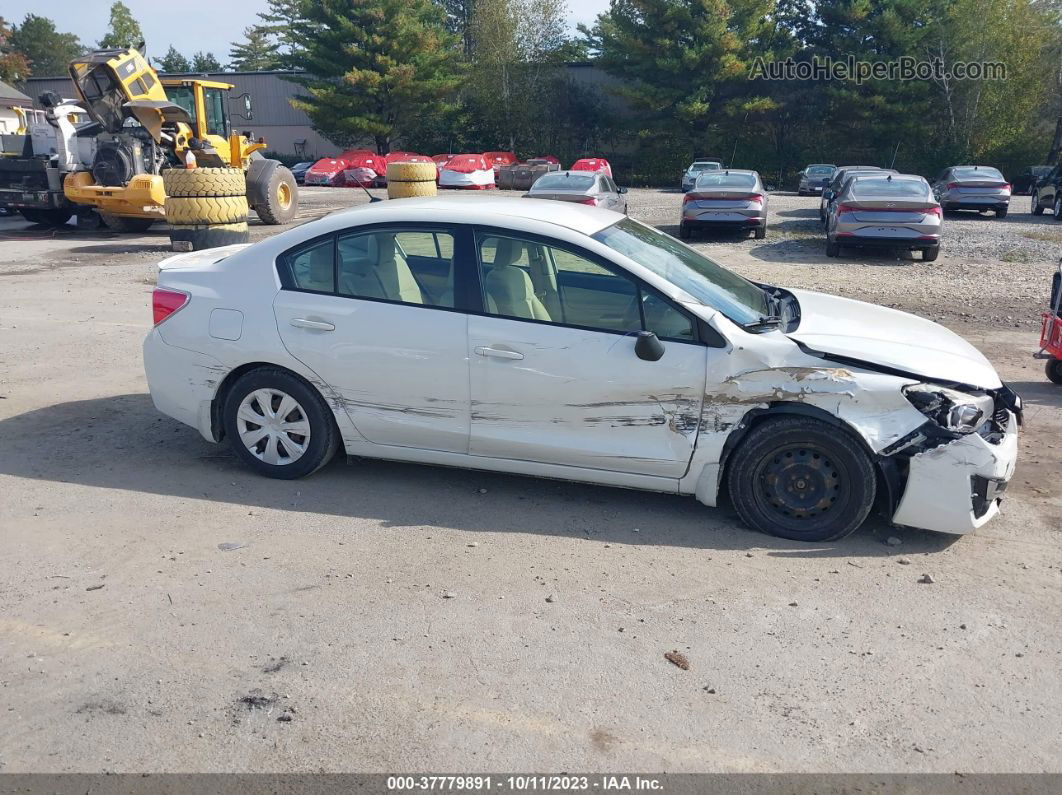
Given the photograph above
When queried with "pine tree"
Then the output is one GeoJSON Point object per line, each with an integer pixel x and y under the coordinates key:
{"type": "Point", "coordinates": [257, 53]}
{"type": "Point", "coordinates": [371, 68]}
{"type": "Point", "coordinates": [204, 62]}
{"type": "Point", "coordinates": [49, 51]}
{"type": "Point", "coordinates": [281, 22]}
{"type": "Point", "coordinates": [124, 30]}
{"type": "Point", "coordinates": [174, 62]}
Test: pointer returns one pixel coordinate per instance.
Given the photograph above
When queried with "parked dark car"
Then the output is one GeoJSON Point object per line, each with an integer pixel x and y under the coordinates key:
{"type": "Point", "coordinates": [836, 183]}
{"type": "Point", "coordinates": [299, 171]}
{"type": "Point", "coordinates": [1047, 195]}
{"type": "Point", "coordinates": [1026, 180]}
{"type": "Point", "coordinates": [521, 176]}
{"type": "Point", "coordinates": [815, 178]}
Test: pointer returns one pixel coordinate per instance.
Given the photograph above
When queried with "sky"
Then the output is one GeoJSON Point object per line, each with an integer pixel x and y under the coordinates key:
{"type": "Point", "coordinates": [189, 25]}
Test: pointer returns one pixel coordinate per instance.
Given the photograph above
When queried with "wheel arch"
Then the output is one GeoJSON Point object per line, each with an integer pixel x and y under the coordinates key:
{"type": "Point", "coordinates": [890, 476]}
{"type": "Point", "coordinates": [221, 395]}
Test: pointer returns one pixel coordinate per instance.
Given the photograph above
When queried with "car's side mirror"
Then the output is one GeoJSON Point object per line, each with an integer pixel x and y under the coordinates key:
{"type": "Point", "coordinates": [648, 346]}
{"type": "Point", "coordinates": [621, 190]}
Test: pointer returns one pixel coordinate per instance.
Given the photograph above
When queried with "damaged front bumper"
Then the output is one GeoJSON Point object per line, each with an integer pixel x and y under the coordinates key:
{"type": "Point", "coordinates": [957, 487]}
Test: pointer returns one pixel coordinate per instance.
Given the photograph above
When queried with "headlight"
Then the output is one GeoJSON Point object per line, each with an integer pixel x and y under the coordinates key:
{"type": "Point", "coordinates": [950, 409]}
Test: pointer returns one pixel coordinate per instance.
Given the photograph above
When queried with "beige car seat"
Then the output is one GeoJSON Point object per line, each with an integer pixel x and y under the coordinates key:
{"type": "Point", "coordinates": [509, 289]}
{"type": "Point", "coordinates": [380, 271]}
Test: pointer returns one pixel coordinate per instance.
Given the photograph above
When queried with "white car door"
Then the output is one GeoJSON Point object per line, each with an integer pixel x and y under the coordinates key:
{"type": "Point", "coordinates": [554, 374]}
{"type": "Point", "coordinates": [372, 314]}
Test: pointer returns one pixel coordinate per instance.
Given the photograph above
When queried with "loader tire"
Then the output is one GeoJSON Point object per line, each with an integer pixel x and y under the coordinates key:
{"type": "Point", "coordinates": [406, 180]}
{"type": "Point", "coordinates": [200, 236]}
{"type": "Point", "coordinates": [204, 182]}
{"type": "Point", "coordinates": [182, 211]}
{"type": "Point", "coordinates": [124, 223]}
{"type": "Point", "coordinates": [282, 198]}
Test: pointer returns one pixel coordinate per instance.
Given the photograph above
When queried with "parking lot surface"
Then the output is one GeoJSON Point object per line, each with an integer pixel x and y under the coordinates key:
{"type": "Point", "coordinates": [167, 610]}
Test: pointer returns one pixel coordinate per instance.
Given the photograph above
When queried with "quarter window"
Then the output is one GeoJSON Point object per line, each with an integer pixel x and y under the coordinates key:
{"type": "Point", "coordinates": [408, 267]}
{"type": "Point", "coordinates": [313, 268]}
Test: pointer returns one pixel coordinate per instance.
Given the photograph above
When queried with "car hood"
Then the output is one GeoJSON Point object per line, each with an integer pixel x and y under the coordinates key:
{"type": "Point", "coordinates": [890, 338]}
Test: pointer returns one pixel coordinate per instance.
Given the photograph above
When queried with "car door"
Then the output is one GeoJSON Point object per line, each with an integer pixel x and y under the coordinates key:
{"type": "Point", "coordinates": [372, 312]}
{"type": "Point", "coordinates": [553, 370]}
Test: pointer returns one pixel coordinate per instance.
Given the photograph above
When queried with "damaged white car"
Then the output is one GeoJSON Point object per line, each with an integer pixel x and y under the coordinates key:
{"type": "Point", "coordinates": [563, 341]}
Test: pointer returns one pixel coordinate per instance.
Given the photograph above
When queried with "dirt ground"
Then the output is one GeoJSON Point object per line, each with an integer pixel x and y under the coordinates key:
{"type": "Point", "coordinates": [166, 610]}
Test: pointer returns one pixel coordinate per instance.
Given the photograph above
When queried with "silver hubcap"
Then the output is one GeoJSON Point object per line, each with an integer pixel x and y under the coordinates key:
{"type": "Point", "coordinates": [273, 426]}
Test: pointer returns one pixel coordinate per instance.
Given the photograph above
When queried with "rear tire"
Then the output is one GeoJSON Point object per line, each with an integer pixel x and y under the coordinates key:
{"type": "Point", "coordinates": [1034, 204]}
{"type": "Point", "coordinates": [122, 223]}
{"type": "Point", "coordinates": [761, 231]}
{"type": "Point", "coordinates": [282, 198]}
{"type": "Point", "coordinates": [833, 249]}
{"type": "Point", "coordinates": [930, 254]}
{"type": "Point", "coordinates": [280, 452]}
{"type": "Point", "coordinates": [1054, 371]}
{"type": "Point", "coordinates": [1058, 208]}
{"type": "Point", "coordinates": [801, 478]}
{"type": "Point", "coordinates": [54, 217]}
{"type": "Point", "coordinates": [1002, 213]}
{"type": "Point", "coordinates": [685, 233]}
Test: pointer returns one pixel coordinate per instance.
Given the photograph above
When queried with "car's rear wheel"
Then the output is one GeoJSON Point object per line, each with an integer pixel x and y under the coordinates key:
{"type": "Point", "coordinates": [1002, 212]}
{"type": "Point", "coordinates": [685, 233]}
{"type": "Point", "coordinates": [801, 478]}
{"type": "Point", "coordinates": [1034, 204]}
{"type": "Point", "coordinates": [278, 425]}
{"type": "Point", "coordinates": [761, 231]}
{"type": "Point", "coordinates": [1058, 208]}
{"type": "Point", "coordinates": [1054, 371]}
{"type": "Point", "coordinates": [833, 249]}
{"type": "Point", "coordinates": [930, 254]}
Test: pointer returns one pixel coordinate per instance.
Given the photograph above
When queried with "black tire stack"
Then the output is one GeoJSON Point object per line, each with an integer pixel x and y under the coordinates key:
{"type": "Point", "coordinates": [206, 207]}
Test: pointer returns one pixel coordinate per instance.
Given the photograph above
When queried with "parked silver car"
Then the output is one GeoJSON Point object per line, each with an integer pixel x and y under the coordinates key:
{"type": "Point", "coordinates": [732, 198]}
{"type": "Point", "coordinates": [836, 183]}
{"type": "Point", "coordinates": [980, 188]}
{"type": "Point", "coordinates": [895, 211]}
{"type": "Point", "coordinates": [815, 178]}
{"type": "Point", "coordinates": [689, 176]}
{"type": "Point", "coordinates": [593, 188]}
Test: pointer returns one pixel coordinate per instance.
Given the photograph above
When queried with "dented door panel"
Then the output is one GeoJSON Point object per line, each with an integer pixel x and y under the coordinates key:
{"type": "Point", "coordinates": [583, 398]}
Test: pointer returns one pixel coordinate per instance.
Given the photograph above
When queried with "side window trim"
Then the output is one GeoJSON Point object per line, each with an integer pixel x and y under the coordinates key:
{"type": "Point", "coordinates": [483, 232]}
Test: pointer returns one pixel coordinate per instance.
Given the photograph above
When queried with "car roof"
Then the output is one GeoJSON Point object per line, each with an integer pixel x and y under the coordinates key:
{"type": "Point", "coordinates": [484, 210]}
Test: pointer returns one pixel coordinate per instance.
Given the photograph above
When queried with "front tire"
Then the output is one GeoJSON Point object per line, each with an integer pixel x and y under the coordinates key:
{"type": "Point", "coordinates": [278, 425]}
{"type": "Point", "coordinates": [1034, 204]}
{"type": "Point", "coordinates": [282, 198]}
{"type": "Point", "coordinates": [1054, 371]}
{"type": "Point", "coordinates": [49, 217]}
{"type": "Point", "coordinates": [1058, 208]}
{"type": "Point", "coordinates": [801, 478]}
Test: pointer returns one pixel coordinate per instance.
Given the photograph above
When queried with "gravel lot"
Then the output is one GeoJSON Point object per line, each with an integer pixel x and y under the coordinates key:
{"type": "Point", "coordinates": [166, 610]}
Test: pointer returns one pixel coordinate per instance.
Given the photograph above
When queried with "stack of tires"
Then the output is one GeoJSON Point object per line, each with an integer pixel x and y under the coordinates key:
{"type": "Point", "coordinates": [405, 180]}
{"type": "Point", "coordinates": [206, 207]}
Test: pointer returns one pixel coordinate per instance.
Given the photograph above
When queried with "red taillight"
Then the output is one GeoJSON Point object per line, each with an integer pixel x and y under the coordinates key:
{"type": "Point", "coordinates": [1005, 186]}
{"type": "Point", "coordinates": [934, 210]}
{"type": "Point", "coordinates": [952, 185]}
{"type": "Point", "coordinates": [690, 197]}
{"type": "Point", "coordinates": [846, 208]}
{"type": "Point", "coordinates": [591, 202]}
{"type": "Point", "coordinates": [754, 197]}
{"type": "Point", "coordinates": [165, 302]}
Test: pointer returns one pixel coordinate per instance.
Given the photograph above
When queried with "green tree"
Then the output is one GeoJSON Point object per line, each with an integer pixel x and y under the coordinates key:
{"type": "Point", "coordinates": [282, 21]}
{"type": "Point", "coordinates": [205, 62]}
{"type": "Point", "coordinates": [174, 62]}
{"type": "Point", "coordinates": [124, 31]}
{"type": "Point", "coordinates": [257, 53]}
{"type": "Point", "coordinates": [14, 66]}
{"type": "Point", "coordinates": [459, 15]}
{"type": "Point", "coordinates": [49, 51]}
{"type": "Point", "coordinates": [371, 69]}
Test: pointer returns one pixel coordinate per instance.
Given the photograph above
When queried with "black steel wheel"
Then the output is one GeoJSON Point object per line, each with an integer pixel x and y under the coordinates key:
{"type": "Point", "coordinates": [801, 478]}
{"type": "Point", "coordinates": [1054, 371]}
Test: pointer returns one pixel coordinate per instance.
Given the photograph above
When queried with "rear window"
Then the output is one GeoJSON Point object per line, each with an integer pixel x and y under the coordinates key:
{"type": "Point", "coordinates": [563, 182]}
{"type": "Point", "coordinates": [820, 171]}
{"type": "Point", "coordinates": [708, 180]}
{"type": "Point", "coordinates": [866, 186]}
{"type": "Point", "coordinates": [698, 167]}
{"type": "Point", "coordinates": [975, 174]}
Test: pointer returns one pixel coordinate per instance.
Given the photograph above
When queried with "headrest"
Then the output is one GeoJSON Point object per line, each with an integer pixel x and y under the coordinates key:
{"type": "Point", "coordinates": [507, 252]}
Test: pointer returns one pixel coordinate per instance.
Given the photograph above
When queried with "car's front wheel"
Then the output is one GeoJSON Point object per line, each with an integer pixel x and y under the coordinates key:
{"type": "Point", "coordinates": [1058, 208]}
{"type": "Point", "coordinates": [1034, 204]}
{"type": "Point", "coordinates": [801, 478]}
{"type": "Point", "coordinates": [278, 425]}
{"type": "Point", "coordinates": [1054, 371]}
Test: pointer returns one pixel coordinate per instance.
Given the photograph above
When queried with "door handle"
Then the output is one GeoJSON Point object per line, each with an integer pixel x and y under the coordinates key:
{"type": "Point", "coordinates": [498, 353]}
{"type": "Point", "coordinates": [316, 325]}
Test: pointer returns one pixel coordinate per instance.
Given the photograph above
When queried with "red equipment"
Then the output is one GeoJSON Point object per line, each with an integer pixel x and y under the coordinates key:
{"type": "Point", "coordinates": [1051, 332]}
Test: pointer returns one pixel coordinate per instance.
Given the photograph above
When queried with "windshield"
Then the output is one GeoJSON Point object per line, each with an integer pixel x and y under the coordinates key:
{"type": "Point", "coordinates": [972, 173]}
{"type": "Point", "coordinates": [563, 182]}
{"type": "Point", "coordinates": [726, 181]}
{"type": "Point", "coordinates": [707, 281]}
{"type": "Point", "coordinates": [697, 168]}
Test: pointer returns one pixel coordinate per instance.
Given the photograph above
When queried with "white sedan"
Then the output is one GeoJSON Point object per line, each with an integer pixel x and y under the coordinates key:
{"type": "Point", "coordinates": [552, 339]}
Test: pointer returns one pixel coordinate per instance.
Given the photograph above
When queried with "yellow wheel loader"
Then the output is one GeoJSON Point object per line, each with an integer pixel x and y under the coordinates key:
{"type": "Point", "coordinates": [148, 125]}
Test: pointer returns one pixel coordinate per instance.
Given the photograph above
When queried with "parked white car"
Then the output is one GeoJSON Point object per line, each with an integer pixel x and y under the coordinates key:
{"type": "Point", "coordinates": [553, 339]}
